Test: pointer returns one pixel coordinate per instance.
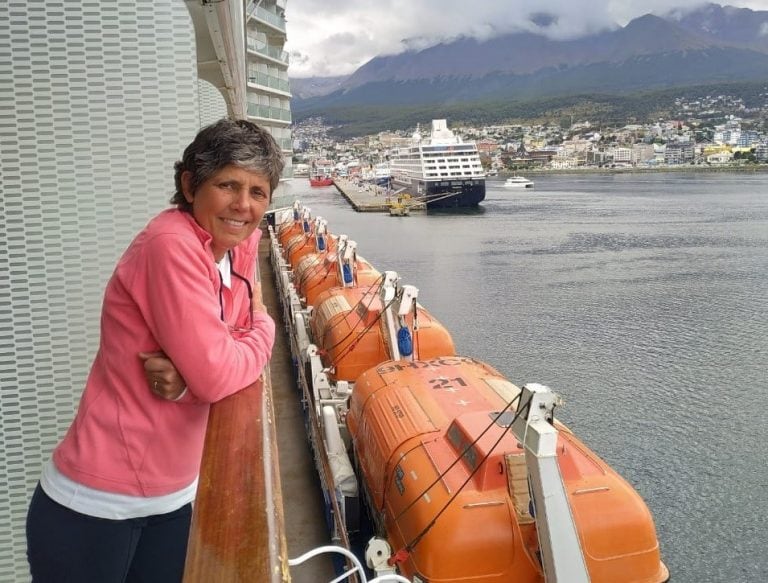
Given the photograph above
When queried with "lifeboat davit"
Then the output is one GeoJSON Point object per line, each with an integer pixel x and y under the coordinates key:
{"type": "Point", "coordinates": [339, 267]}
{"type": "Point", "coordinates": [448, 484]}
{"type": "Point", "coordinates": [316, 273]}
{"type": "Point", "coordinates": [300, 222]}
{"type": "Point", "coordinates": [316, 240]}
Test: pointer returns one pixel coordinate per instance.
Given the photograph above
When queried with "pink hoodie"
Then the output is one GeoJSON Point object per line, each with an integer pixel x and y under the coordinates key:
{"type": "Point", "coordinates": [164, 295]}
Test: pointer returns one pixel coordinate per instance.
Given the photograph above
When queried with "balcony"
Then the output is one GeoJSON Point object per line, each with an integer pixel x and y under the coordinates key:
{"type": "Point", "coordinates": [267, 17]}
{"type": "Point", "coordinates": [273, 53]}
{"type": "Point", "coordinates": [269, 112]}
{"type": "Point", "coordinates": [270, 81]}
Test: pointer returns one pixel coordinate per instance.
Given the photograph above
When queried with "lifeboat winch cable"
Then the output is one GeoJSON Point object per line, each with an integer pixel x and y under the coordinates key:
{"type": "Point", "coordinates": [314, 270]}
{"type": "Point", "coordinates": [403, 553]}
{"type": "Point", "coordinates": [351, 346]}
{"type": "Point", "coordinates": [458, 458]}
{"type": "Point", "coordinates": [373, 290]}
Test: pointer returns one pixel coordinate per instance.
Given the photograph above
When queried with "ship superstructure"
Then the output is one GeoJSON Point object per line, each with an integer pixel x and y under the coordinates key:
{"type": "Point", "coordinates": [442, 170]}
{"type": "Point", "coordinates": [268, 89]}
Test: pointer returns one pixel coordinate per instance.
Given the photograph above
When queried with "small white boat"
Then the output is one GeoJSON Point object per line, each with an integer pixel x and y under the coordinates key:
{"type": "Point", "coordinates": [518, 182]}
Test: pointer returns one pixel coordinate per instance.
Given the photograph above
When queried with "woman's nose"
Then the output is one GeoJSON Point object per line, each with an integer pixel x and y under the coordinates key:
{"type": "Point", "coordinates": [240, 199]}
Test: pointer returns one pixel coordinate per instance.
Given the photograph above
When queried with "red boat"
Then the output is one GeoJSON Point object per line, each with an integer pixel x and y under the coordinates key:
{"type": "Point", "coordinates": [320, 181]}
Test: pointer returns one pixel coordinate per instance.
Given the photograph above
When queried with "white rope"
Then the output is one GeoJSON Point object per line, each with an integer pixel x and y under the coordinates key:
{"type": "Point", "coordinates": [357, 565]}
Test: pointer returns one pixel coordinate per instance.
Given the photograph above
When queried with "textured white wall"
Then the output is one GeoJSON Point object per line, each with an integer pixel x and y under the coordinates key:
{"type": "Point", "coordinates": [212, 104]}
{"type": "Point", "coordinates": [97, 101]}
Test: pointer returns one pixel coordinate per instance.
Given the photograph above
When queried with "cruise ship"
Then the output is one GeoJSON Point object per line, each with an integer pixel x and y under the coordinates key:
{"type": "Point", "coordinates": [443, 170]}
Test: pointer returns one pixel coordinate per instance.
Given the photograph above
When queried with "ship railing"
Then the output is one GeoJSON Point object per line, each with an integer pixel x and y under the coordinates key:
{"type": "Point", "coordinates": [237, 531]}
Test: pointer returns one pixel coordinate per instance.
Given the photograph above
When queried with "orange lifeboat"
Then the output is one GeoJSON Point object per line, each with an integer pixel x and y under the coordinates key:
{"type": "Point", "coordinates": [447, 480]}
{"type": "Point", "coordinates": [300, 223]}
{"type": "Point", "coordinates": [348, 327]}
{"type": "Point", "coordinates": [340, 267]}
{"type": "Point", "coordinates": [315, 274]}
{"type": "Point", "coordinates": [316, 241]}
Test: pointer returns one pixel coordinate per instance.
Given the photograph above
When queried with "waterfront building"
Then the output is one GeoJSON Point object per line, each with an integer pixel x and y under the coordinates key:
{"type": "Point", "coordinates": [564, 162]}
{"type": "Point", "coordinates": [718, 158]}
{"type": "Point", "coordinates": [268, 90]}
{"type": "Point", "coordinates": [541, 157]}
{"type": "Point", "coordinates": [748, 138]}
{"type": "Point", "coordinates": [761, 151]}
{"type": "Point", "coordinates": [621, 155]}
{"type": "Point", "coordinates": [678, 153]}
{"type": "Point", "coordinates": [642, 153]}
{"type": "Point", "coordinates": [487, 146]}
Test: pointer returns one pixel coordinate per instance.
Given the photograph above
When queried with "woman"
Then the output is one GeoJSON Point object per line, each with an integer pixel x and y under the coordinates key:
{"type": "Point", "coordinates": [181, 327]}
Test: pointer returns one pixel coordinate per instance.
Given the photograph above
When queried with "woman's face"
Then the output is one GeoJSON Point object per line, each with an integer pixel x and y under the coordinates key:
{"type": "Point", "coordinates": [229, 205]}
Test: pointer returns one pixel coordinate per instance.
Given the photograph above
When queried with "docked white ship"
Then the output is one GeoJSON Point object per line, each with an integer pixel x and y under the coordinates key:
{"type": "Point", "coordinates": [443, 170]}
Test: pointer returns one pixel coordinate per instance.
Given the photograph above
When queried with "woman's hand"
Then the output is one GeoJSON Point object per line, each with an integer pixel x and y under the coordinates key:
{"type": "Point", "coordinates": [163, 378]}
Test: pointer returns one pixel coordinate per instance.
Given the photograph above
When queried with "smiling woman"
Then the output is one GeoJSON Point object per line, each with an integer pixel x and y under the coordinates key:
{"type": "Point", "coordinates": [181, 328]}
{"type": "Point", "coordinates": [229, 205]}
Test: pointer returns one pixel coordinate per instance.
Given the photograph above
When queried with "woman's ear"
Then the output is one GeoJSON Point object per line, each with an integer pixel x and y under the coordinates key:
{"type": "Point", "coordinates": [186, 186]}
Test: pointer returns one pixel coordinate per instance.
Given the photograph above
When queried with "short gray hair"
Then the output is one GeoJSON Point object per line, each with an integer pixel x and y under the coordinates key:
{"type": "Point", "coordinates": [238, 142]}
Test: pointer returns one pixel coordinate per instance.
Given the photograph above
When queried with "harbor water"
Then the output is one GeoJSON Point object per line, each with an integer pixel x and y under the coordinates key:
{"type": "Point", "coordinates": [643, 300]}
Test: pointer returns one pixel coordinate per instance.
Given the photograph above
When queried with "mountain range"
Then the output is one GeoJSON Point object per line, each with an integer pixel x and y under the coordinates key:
{"type": "Point", "coordinates": [711, 45]}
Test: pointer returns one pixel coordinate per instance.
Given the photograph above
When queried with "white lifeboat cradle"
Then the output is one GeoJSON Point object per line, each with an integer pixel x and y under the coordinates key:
{"type": "Point", "coordinates": [325, 405]}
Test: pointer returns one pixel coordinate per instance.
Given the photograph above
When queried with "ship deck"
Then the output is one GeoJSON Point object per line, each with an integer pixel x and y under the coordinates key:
{"type": "Point", "coordinates": [305, 523]}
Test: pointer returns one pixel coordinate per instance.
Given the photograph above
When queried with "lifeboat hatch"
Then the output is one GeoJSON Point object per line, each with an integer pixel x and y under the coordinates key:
{"type": "Point", "coordinates": [504, 420]}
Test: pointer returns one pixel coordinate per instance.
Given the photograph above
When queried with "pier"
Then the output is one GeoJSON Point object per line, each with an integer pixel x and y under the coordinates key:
{"type": "Point", "coordinates": [367, 198]}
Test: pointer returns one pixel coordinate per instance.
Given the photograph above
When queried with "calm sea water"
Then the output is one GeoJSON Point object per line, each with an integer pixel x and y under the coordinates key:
{"type": "Point", "coordinates": [643, 300]}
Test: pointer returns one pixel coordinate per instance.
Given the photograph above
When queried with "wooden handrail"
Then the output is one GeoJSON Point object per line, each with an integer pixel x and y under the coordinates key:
{"type": "Point", "coordinates": [237, 531]}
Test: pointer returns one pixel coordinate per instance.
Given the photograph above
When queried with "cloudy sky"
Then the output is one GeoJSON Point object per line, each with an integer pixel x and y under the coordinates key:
{"type": "Point", "coordinates": [335, 37]}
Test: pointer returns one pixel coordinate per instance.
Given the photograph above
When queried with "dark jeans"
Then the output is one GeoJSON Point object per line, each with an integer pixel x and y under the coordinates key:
{"type": "Point", "coordinates": [66, 546]}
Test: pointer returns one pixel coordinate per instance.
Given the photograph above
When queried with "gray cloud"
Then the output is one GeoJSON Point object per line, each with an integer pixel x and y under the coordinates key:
{"type": "Point", "coordinates": [335, 37]}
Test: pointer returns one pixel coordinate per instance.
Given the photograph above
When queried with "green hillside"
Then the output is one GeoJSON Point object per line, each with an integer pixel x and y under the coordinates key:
{"type": "Point", "coordinates": [641, 107]}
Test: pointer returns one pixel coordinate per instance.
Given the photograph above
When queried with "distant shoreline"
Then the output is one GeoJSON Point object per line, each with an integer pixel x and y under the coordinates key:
{"type": "Point", "coordinates": [752, 168]}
